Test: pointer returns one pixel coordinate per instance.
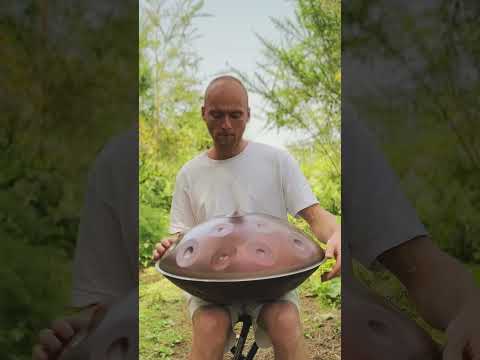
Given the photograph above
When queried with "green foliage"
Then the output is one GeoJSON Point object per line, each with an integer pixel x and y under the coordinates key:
{"type": "Point", "coordinates": [171, 128]}
{"type": "Point", "coordinates": [475, 269]}
{"type": "Point", "coordinates": [34, 287]}
{"type": "Point", "coordinates": [168, 66]}
{"type": "Point", "coordinates": [48, 110]}
{"type": "Point", "coordinates": [153, 227]}
{"type": "Point", "coordinates": [328, 292]}
{"type": "Point", "coordinates": [300, 79]}
{"type": "Point", "coordinates": [321, 175]}
{"type": "Point", "coordinates": [161, 328]}
{"type": "Point", "coordinates": [427, 129]}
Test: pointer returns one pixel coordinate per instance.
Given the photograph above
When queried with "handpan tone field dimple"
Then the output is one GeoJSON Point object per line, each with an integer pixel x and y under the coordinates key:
{"type": "Point", "coordinates": [187, 253]}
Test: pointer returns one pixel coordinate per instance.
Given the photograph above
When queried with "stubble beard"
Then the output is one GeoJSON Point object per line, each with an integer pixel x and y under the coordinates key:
{"type": "Point", "coordinates": [226, 141]}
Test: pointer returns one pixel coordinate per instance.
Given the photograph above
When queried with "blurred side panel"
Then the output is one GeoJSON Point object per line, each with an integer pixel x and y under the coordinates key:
{"type": "Point", "coordinates": [69, 164]}
{"type": "Point", "coordinates": [410, 160]}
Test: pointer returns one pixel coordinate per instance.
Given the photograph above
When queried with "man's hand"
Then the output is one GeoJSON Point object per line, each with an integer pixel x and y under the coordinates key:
{"type": "Point", "coordinates": [325, 227]}
{"type": "Point", "coordinates": [52, 341]}
{"type": "Point", "coordinates": [164, 245]}
{"type": "Point", "coordinates": [334, 251]}
{"type": "Point", "coordinates": [463, 334]}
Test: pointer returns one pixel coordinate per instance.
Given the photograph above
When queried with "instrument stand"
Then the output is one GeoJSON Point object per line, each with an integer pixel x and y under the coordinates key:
{"type": "Point", "coordinates": [237, 350]}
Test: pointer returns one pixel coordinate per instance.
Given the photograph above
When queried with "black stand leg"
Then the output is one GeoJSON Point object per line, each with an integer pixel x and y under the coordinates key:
{"type": "Point", "coordinates": [237, 350]}
{"type": "Point", "coordinates": [252, 352]}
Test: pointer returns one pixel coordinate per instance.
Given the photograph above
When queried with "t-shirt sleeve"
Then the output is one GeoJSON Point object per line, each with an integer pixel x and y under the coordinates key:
{"type": "Point", "coordinates": [100, 268]}
{"type": "Point", "coordinates": [376, 214]}
{"type": "Point", "coordinates": [297, 191]}
{"type": "Point", "coordinates": [181, 214]}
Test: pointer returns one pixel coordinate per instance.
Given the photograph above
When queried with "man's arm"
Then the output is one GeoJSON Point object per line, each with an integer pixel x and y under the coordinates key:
{"type": "Point", "coordinates": [326, 229]}
{"type": "Point", "coordinates": [444, 292]}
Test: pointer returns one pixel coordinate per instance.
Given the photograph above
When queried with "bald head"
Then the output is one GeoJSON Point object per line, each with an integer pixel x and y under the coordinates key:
{"type": "Point", "coordinates": [226, 112]}
{"type": "Point", "coordinates": [226, 83]}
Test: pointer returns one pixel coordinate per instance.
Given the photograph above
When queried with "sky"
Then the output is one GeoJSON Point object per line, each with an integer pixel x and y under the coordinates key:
{"type": "Point", "coordinates": [227, 39]}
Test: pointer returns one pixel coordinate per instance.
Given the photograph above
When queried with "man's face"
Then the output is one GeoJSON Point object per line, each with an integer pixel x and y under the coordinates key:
{"type": "Point", "coordinates": [226, 113]}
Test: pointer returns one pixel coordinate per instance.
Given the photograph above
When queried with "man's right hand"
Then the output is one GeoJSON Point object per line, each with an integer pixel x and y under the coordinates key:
{"type": "Point", "coordinates": [52, 341]}
{"type": "Point", "coordinates": [164, 245]}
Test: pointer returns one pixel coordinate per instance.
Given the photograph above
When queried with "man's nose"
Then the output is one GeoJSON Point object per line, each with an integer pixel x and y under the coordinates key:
{"type": "Point", "coordinates": [227, 122]}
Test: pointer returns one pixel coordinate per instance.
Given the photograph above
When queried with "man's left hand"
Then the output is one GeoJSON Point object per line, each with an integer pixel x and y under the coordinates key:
{"type": "Point", "coordinates": [324, 226]}
{"type": "Point", "coordinates": [334, 250]}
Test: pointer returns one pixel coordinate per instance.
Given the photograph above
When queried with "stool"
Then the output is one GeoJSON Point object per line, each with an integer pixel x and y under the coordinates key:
{"type": "Point", "coordinates": [237, 350]}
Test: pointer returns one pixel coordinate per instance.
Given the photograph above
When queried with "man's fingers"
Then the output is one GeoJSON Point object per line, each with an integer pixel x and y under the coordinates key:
{"type": "Point", "coordinates": [156, 255]}
{"type": "Point", "coordinates": [167, 243]}
{"type": "Point", "coordinates": [160, 247]}
{"type": "Point", "coordinates": [325, 277]}
{"type": "Point", "coordinates": [39, 353]}
{"type": "Point", "coordinates": [473, 349]}
{"type": "Point", "coordinates": [63, 330]}
{"type": "Point", "coordinates": [338, 263]}
{"type": "Point", "coordinates": [333, 252]}
{"type": "Point", "coordinates": [50, 341]}
{"type": "Point", "coordinates": [336, 269]}
{"type": "Point", "coordinates": [332, 273]}
{"type": "Point", "coordinates": [330, 251]}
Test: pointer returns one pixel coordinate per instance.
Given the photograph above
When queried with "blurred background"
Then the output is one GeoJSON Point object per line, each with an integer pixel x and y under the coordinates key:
{"type": "Point", "coordinates": [411, 73]}
{"type": "Point", "coordinates": [65, 70]}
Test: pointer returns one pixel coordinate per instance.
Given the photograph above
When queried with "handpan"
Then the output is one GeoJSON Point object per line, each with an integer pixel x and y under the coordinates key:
{"type": "Point", "coordinates": [252, 257]}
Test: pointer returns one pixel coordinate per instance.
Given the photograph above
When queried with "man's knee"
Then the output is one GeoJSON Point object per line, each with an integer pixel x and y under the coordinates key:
{"type": "Point", "coordinates": [212, 323]}
{"type": "Point", "coordinates": [282, 322]}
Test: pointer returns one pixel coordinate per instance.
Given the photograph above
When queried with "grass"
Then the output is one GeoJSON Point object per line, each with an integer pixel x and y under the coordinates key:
{"type": "Point", "coordinates": [475, 268]}
{"type": "Point", "coordinates": [163, 329]}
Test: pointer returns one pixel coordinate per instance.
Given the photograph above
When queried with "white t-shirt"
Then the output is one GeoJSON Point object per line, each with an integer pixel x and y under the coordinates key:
{"type": "Point", "coordinates": [261, 179]}
{"type": "Point", "coordinates": [106, 256]}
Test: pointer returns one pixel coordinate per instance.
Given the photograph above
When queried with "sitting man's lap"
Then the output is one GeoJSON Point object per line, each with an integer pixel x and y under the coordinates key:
{"type": "Point", "coordinates": [261, 314]}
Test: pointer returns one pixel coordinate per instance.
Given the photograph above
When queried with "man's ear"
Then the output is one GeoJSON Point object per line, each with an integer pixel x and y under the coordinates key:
{"type": "Point", "coordinates": [203, 112]}
{"type": "Point", "coordinates": [248, 114]}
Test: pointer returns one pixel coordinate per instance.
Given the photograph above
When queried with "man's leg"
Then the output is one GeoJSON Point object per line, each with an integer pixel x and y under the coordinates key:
{"type": "Point", "coordinates": [211, 330]}
{"type": "Point", "coordinates": [281, 321]}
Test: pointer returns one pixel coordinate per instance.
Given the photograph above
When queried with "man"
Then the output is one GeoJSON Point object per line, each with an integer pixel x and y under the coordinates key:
{"type": "Point", "coordinates": [240, 175]}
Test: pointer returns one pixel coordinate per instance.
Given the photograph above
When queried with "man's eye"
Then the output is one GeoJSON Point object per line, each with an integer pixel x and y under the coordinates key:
{"type": "Point", "coordinates": [236, 115]}
{"type": "Point", "coordinates": [216, 114]}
